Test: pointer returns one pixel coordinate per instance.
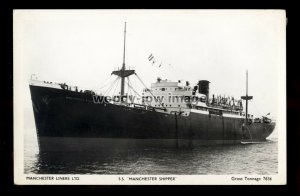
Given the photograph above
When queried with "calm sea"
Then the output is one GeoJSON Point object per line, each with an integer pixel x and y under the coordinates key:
{"type": "Point", "coordinates": [223, 159]}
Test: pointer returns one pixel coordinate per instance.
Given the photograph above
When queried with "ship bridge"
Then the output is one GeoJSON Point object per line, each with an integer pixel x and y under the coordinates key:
{"type": "Point", "coordinates": [173, 96]}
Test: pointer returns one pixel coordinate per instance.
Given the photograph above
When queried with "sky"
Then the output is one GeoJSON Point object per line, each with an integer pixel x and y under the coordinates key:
{"type": "Point", "coordinates": [83, 47]}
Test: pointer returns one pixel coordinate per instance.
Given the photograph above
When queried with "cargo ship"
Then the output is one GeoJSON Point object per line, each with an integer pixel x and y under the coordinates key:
{"type": "Point", "coordinates": [170, 114]}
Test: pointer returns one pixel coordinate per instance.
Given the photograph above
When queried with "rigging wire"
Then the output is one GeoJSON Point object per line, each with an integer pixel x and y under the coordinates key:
{"type": "Point", "coordinates": [130, 85]}
{"type": "Point", "coordinates": [141, 80]}
{"type": "Point", "coordinates": [160, 101]}
{"type": "Point", "coordinates": [106, 82]}
{"type": "Point", "coordinates": [115, 89]}
{"type": "Point", "coordinates": [256, 109]}
{"type": "Point", "coordinates": [136, 93]}
{"type": "Point", "coordinates": [109, 89]}
{"type": "Point", "coordinates": [129, 93]}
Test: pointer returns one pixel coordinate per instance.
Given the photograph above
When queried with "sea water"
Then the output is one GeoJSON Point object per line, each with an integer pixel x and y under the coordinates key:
{"type": "Point", "coordinates": [260, 158]}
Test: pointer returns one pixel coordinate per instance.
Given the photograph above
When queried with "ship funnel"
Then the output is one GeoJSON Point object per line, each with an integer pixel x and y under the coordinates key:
{"type": "Point", "coordinates": [204, 88]}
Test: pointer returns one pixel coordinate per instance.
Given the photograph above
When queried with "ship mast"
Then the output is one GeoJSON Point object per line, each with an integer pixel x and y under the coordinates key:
{"type": "Point", "coordinates": [123, 73]}
{"type": "Point", "coordinates": [247, 97]}
{"type": "Point", "coordinates": [123, 65]}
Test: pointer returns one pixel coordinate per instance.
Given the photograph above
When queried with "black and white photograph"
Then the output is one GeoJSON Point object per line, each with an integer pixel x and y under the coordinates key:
{"type": "Point", "coordinates": [149, 97]}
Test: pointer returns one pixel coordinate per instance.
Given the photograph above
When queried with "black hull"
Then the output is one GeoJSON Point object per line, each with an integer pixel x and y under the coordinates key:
{"type": "Point", "coordinates": [68, 120]}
